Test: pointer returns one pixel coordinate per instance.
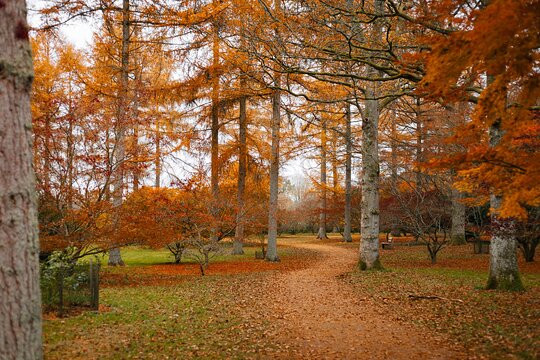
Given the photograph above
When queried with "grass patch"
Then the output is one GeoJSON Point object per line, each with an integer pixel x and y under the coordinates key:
{"type": "Point", "coordinates": [158, 315]}
{"type": "Point", "coordinates": [143, 256]}
{"type": "Point", "coordinates": [199, 319]}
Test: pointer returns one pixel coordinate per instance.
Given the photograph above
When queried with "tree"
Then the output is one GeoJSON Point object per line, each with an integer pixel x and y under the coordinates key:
{"type": "Point", "coordinates": [323, 207]}
{"type": "Point", "coordinates": [498, 63]}
{"type": "Point", "coordinates": [369, 245]}
{"type": "Point", "coordinates": [20, 309]}
{"type": "Point", "coordinates": [528, 233]}
{"type": "Point", "coordinates": [348, 172]}
{"type": "Point", "coordinates": [271, 253]}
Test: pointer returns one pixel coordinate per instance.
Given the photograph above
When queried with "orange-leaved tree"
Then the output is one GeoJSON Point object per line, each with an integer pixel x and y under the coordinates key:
{"type": "Point", "coordinates": [493, 51]}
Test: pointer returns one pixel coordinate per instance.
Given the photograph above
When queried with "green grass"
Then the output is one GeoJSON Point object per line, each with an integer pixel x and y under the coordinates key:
{"type": "Point", "coordinates": [143, 256]}
{"type": "Point", "coordinates": [211, 317]}
{"type": "Point", "coordinates": [198, 319]}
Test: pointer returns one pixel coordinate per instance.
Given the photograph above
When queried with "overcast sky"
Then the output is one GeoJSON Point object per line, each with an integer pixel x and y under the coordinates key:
{"type": "Point", "coordinates": [79, 32]}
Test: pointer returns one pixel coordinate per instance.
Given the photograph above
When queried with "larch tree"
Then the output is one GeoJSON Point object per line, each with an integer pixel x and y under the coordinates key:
{"type": "Point", "coordinates": [123, 109]}
{"type": "Point", "coordinates": [242, 170]}
{"type": "Point", "coordinates": [347, 236]}
{"type": "Point", "coordinates": [323, 205]}
{"type": "Point", "coordinates": [496, 67]}
{"type": "Point", "coordinates": [20, 309]}
{"type": "Point", "coordinates": [271, 252]}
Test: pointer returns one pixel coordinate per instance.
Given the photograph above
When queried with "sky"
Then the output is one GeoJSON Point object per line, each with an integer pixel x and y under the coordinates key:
{"type": "Point", "coordinates": [79, 32]}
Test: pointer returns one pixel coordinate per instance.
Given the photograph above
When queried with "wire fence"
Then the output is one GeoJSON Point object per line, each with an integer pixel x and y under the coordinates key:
{"type": "Point", "coordinates": [66, 286]}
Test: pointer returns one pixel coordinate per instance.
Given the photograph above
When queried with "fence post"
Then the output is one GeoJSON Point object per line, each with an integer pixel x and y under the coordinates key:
{"type": "Point", "coordinates": [60, 284]}
{"type": "Point", "coordinates": [94, 286]}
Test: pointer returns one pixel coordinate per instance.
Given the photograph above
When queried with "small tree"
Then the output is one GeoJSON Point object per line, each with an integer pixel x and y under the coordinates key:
{"type": "Point", "coordinates": [528, 233]}
{"type": "Point", "coordinates": [427, 214]}
{"type": "Point", "coordinates": [202, 250]}
{"type": "Point", "coordinates": [155, 217]}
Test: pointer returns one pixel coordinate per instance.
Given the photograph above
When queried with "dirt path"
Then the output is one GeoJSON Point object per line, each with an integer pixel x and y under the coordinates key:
{"type": "Point", "coordinates": [319, 317]}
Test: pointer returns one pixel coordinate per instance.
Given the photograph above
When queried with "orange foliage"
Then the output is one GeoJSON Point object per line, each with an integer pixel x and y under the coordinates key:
{"type": "Point", "coordinates": [501, 40]}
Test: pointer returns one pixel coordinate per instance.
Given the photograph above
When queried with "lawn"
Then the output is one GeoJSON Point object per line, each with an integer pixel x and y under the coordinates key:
{"type": "Point", "coordinates": [448, 299]}
{"type": "Point", "coordinates": [200, 318]}
{"type": "Point", "coordinates": [153, 309]}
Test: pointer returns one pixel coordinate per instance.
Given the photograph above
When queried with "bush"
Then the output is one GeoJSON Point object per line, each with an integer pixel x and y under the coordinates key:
{"type": "Point", "coordinates": [65, 283]}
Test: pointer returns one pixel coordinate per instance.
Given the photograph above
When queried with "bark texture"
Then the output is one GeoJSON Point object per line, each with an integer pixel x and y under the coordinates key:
{"type": "Point", "coordinates": [271, 251]}
{"type": "Point", "coordinates": [347, 236]}
{"type": "Point", "coordinates": [323, 200]}
{"type": "Point", "coordinates": [242, 172]}
{"type": "Point", "coordinates": [457, 231]}
{"type": "Point", "coordinates": [503, 265]}
{"type": "Point", "coordinates": [369, 245]}
{"type": "Point", "coordinates": [20, 309]}
{"type": "Point", "coordinates": [115, 259]}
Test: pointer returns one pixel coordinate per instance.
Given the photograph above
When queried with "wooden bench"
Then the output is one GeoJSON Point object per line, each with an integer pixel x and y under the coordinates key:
{"type": "Point", "coordinates": [480, 246]}
{"type": "Point", "coordinates": [387, 245]}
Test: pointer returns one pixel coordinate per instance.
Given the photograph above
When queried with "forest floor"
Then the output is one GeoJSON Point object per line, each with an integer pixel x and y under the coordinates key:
{"type": "Point", "coordinates": [313, 304]}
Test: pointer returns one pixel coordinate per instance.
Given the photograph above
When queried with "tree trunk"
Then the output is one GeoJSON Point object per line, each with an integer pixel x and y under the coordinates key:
{"type": "Point", "coordinates": [242, 171]}
{"type": "Point", "coordinates": [323, 201]}
{"type": "Point", "coordinates": [369, 245]}
{"type": "Point", "coordinates": [419, 144]}
{"type": "Point", "coordinates": [356, 31]}
{"type": "Point", "coordinates": [115, 258]}
{"type": "Point", "coordinates": [271, 248]}
{"type": "Point", "coordinates": [214, 161]}
{"type": "Point", "coordinates": [394, 230]}
{"type": "Point", "coordinates": [178, 256]}
{"type": "Point", "coordinates": [136, 173]}
{"type": "Point", "coordinates": [503, 266]}
{"type": "Point", "coordinates": [271, 252]}
{"type": "Point", "coordinates": [457, 231]}
{"type": "Point", "coordinates": [157, 160]}
{"type": "Point", "coordinates": [20, 309]}
{"type": "Point", "coordinates": [347, 237]}
{"type": "Point", "coordinates": [528, 248]}
{"type": "Point", "coordinates": [135, 168]}
{"type": "Point", "coordinates": [335, 179]}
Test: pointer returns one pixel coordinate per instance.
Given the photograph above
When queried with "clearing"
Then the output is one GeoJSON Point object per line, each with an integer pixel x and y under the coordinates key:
{"type": "Point", "coordinates": [313, 304]}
